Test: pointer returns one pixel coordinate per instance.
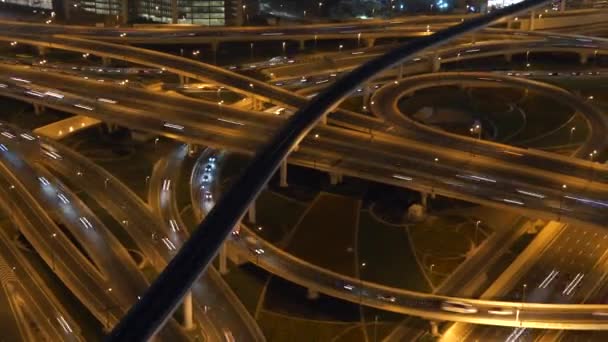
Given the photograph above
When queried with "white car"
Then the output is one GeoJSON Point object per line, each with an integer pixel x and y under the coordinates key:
{"type": "Point", "coordinates": [458, 307]}
{"type": "Point", "coordinates": [389, 299]}
{"type": "Point", "coordinates": [500, 311]}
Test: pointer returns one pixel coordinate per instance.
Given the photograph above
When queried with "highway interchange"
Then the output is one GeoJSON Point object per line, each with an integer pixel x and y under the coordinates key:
{"type": "Point", "coordinates": [478, 171]}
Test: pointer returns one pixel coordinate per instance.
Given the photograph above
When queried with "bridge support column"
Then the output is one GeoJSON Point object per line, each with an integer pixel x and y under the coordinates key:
{"type": "Point", "coordinates": [251, 213]}
{"type": "Point", "coordinates": [584, 58]}
{"type": "Point", "coordinates": [366, 95]}
{"type": "Point", "coordinates": [106, 61]}
{"type": "Point", "coordinates": [67, 4]}
{"type": "Point", "coordinates": [435, 63]}
{"type": "Point", "coordinates": [508, 57]}
{"type": "Point", "coordinates": [215, 45]}
{"type": "Point", "coordinates": [312, 294]}
{"type": "Point", "coordinates": [562, 5]}
{"type": "Point", "coordinates": [187, 311]}
{"type": "Point", "coordinates": [111, 127]}
{"type": "Point", "coordinates": [192, 149]}
{"type": "Point", "coordinates": [39, 109]}
{"type": "Point", "coordinates": [283, 174]}
{"type": "Point", "coordinates": [434, 329]}
{"type": "Point", "coordinates": [302, 46]}
{"type": "Point", "coordinates": [333, 178]}
{"type": "Point", "coordinates": [223, 258]}
{"type": "Point", "coordinates": [174, 12]}
{"type": "Point", "coordinates": [400, 75]}
{"type": "Point", "coordinates": [124, 12]}
{"type": "Point", "coordinates": [42, 50]}
{"type": "Point", "coordinates": [532, 18]}
{"type": "Point", "coordinates": [369, 42]}
{"type": "Point", "coordinates": [183, 80]}
{"type": "Point", "coordinates": [424, 199]}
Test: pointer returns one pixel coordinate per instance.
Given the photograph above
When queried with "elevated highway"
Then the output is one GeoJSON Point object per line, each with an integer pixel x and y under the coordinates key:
{"type": "Point", "coordinates": [287, 266]}
{"type": "Point", "coordinates": [139, 222]}
{"type": "Point", "coordinates": [397, 161]}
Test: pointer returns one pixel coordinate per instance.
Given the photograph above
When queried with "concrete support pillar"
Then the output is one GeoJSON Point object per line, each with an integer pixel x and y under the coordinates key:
{"type": "Point", "coordinates": [283, 174]}
{"type": "Point", "coordinates": [369, 42]}
{"type": "Point", "coordinates": [192, 149]}
{"type": "Point", "coordinates": [434, 329]}
{"type": "Point", "coordinates": [223, 258]}
{"type": "Point", "coordinates": [584, 58]}
{"type": "Point", "coordinates": [187, 311]}
{"type": "Point", "coordinates": [67, 6]}
{"type": "Point", "coordinates": [106, 61]}
{"type": "Point", "coordinates": [435, 63]}
{"type": "Point", "coordinates": [312, 294]}
{"type": "Point", "coordinates": [562, 5]}
{"type": "Point", "coordinates": [251, 212]}
{"type": "Point", "coordinates": [111, 127]}
{"type": "Point", "coordinates": [256, 104]}
{"type": "Point", "coordinates": [424, 199]}
{"type": "Point", "coordinates": [400, 76]}
{"type": "Point", "coordinates": [324, 119]}
{"type": "Point", "coordinates": [333, 178]}
{"type": "Point", "coordinates": [367, 93]}
{"type": "Point", "coordinates": [42, 50]}
{"type": "Point", "coordinates": [532, 18]}
{"type": "Point", "coordinates": [302, 45]}
{"type": "Point", "coordinates": [215, 45]}
{"type": "Point", "coordinates": [39, 109]}
{"type": "Point", "coordinates": [174, 12]}
{"type": "Point", "coordinates": [123, 16]}
{"type": "Point", "coordinates": [183, 80]}
{"type": "Point", "coordinates": [508, 57]}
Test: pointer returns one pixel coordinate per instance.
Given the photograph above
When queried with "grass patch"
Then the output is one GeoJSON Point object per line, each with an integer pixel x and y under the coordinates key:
{"type": "Point", "coordinates": [563, 136]}
{"type": "Point", "coordinates": [387, 254]}
{"type": "Point", "coordinates": [247, 282]}
{"type": "Point", "coordinates": [543, 114]}
{"type": "Point", "coordinates": [279, 328]}
{"type": "Point", "coordinates": [276, 216]}
{"type": "Point", "coordinates": [325, 234]}
{"type": "Point", "coordinates": [444, 242]}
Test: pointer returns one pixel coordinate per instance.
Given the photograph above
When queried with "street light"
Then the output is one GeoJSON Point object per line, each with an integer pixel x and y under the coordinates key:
{"type": "Point", "coordinates": [284, 48]}
{"type": "Point", "coordinates": [476, 229]}
{"type": "Point", "coordinates": [340, 48]}
{"type": "Point", "coordinates": [523, 296]}
{"type": "Point", "coordinates": [561, 201]}
{"type": "Point", "coordinates": [571, 134]}
{"type": "Point", "coordinates": [358, 39]}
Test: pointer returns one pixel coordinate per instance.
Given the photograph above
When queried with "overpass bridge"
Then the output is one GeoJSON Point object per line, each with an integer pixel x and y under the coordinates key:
{"type": "Point", "coordinates": [389, 159]}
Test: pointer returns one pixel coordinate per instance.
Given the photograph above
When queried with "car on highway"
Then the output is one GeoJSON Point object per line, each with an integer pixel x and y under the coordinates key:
{"type": "Point", "coordinates": [390, 299]}
{"type": "Point", "coordinates": [208, 195]}
{"type": "Point", "coordinates": [500, 311]}
{"type": "Point", "coordinates": [348, 287]}
{"type": "Point", "coordinates": [458, 307]}
{"type": "Point", "coordinates": [257, 250]}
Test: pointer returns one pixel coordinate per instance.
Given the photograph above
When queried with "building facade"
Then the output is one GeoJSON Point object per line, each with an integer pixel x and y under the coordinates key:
{"type": "Point", "coordinates": [196, 12]}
